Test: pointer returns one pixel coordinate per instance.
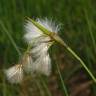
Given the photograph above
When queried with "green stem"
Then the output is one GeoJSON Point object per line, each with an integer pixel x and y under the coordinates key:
{"type": "Point", "coordinates": [45, 86]}
{"type": "Point", "coordinates": [11, 39]}
{"type": "Point", "coordinates": [39, 87]}
{"type": "Point", "coordinates": [83, 64]}
{"type": "Point", "coordinates": [62, 81]}
{"type": "Point", "coordinates": [59, 40]}
{"type": "Point", "coordinates": [56, 38]}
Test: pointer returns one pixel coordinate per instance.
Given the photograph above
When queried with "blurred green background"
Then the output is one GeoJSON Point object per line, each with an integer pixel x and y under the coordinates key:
{"type": "Point", "coordinates": [78, 30]}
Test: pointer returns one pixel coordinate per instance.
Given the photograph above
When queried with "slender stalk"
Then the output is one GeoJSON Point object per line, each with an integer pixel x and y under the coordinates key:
{"type": "Point", "coordinates": [80, 60]}
{"type": "Point", "coordinates": [90, 30]}
{"type": "Point", "coordinates": [56, 38]}
{"type": "Point", "coordinates": [4, 87]}
{"type": "Point", "coordinates": [62, 81]}
{"type": "Point", "coordinates": [39, 87]}
{"type": "Point", "coordinates": [45, 86]}
{"type": "Point", "coordinates": [11, 39]}
{"type": "Point", "coordinates": [83, 64]}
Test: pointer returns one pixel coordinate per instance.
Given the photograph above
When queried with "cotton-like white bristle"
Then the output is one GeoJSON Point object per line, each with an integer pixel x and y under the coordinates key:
{"type": "Point", "coordinates": [15, 74]}
{"type": "Point", "coordinates": [32, 31]}
{"type": "Point", "coordinates": [27, 64]}
{"type": "Point", "coordinates": [42, 63]}
{"type": "Point", "coordinates": [48, 24]}
{"type": "Point", "coordinates": [40, 49]}
{"type": "Point", "coordinates": [46, 65]}
{"type": "Point", "coordinates": [39, 61]}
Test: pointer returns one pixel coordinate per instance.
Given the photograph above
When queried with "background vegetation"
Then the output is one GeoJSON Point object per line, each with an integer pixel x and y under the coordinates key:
{"type": "Point", "coordinates": [78, 30]}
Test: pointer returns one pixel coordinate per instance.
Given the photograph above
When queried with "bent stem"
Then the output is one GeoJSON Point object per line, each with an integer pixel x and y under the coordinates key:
{"type": "Point", "coordinates": [56, 38]}
{"type": "Point", "coordinates": [60, 41]}
{"type": "Point", "coordinates": [83, 64]}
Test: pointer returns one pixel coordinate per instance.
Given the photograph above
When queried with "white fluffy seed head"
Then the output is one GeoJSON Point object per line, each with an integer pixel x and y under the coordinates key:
{"type": "Point", "coordinates": [37, 60]}
{"type": "Point", "coordinates": [32, 31]}
{"type": "Point", "coordinates": [48, 24]}
{"type": "Point", "coordinates": [43, 65]}
{"type": "Point", "coordinates": [14, 74]}
{"type": "Point", "coordinates": [41, 62]}
{"type": "Point", "coordinates": [27, 63]}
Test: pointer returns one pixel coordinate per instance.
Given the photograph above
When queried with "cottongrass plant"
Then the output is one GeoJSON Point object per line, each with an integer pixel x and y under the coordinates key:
{"type": "Point", "coordinates": [40, 35]}
{"type": "Point", "coordinates": [36, 59]}
{"type": "Point", "coordinates": [15, 74]}
{"type": "Point", "coordinates": [55, 37]}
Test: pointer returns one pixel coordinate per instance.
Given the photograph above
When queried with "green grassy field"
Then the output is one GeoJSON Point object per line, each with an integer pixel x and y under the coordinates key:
{"type": "Point", "coordinates": [78, 29]}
